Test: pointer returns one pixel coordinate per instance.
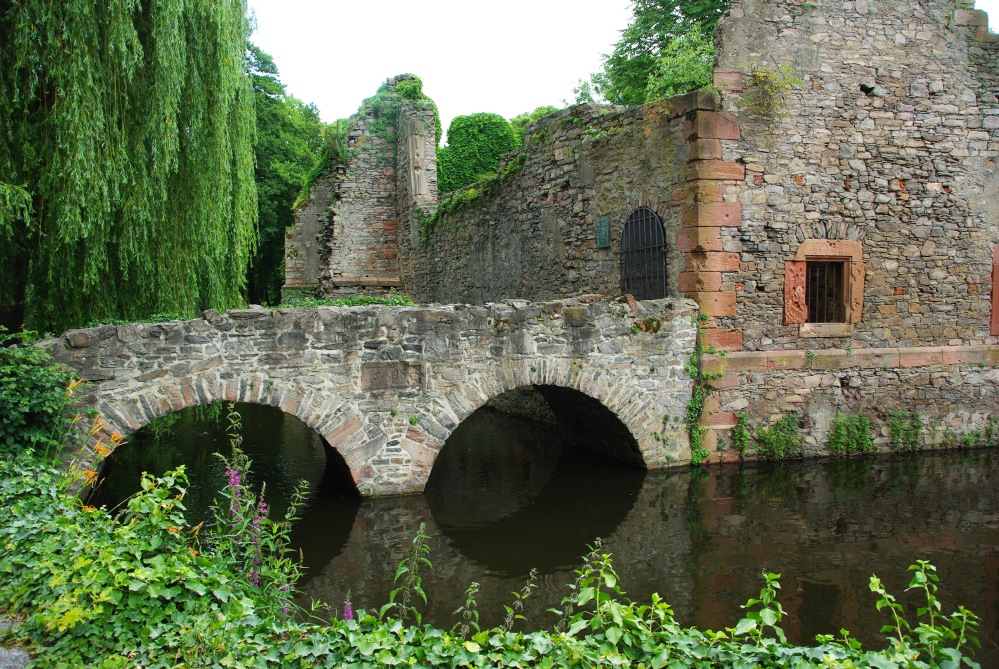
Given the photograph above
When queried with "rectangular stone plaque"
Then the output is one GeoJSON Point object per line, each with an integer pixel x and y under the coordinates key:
{"type": "Point", "coordinates": [603, 232]}
{"type": "Point", "coordinates": [391, 375]}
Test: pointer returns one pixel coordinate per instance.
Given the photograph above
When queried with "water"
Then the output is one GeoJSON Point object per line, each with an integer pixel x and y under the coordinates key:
{"type": "Point", "coordinates": [505, 497]}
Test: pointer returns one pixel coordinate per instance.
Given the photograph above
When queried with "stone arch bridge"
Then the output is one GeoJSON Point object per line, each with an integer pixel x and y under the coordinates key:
{"type": "Point", "coordinates": [385, 386]}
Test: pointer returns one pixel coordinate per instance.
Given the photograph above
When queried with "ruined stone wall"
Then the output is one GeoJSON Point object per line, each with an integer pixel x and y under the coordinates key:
{"type": "Point", "coordinates": [883, 157]}
{"type": "Point", "coordinates": [890, 139]}
{"type": "Point", "coordinates": [360, 241]}
{"type": "Point", "coordinates": [531, 232]}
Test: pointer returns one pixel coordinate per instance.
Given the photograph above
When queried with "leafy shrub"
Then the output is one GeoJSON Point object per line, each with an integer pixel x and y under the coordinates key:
{"type": "Point", "coordinates": [850, 434]}
{"type": "Point", "coordinates": [33, 396]}
{"type": "Point", "coordinates": [780, 440]}
{"type": "Point", "coordinates": [686, 63]}
{"type": "Point", "coordinates": [475, 145]}
{"type": "Point", "coordinates": [905, 430]}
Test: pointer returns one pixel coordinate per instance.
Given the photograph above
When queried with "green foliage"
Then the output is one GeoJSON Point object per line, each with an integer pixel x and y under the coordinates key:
{"type": "Point", "coordinates": [126, 152]}
{"type": "Point", "coordinates": [290, 142]}
{"type": "Point", "coordinates": [656, 32]}
{"type": "Point", "coordinates": [33, 396]}
{"type": "Point", "coordinates": [475, 145]}
{"type": "Point", "coordinates": [780, 440]}
{"type": "Point", "coordinates": [146, 590]}
{"type": "Point", "coordinates": [409, 583]}
{"type": "Point", "coordinates": [767, 92]}
{"type": "Point", "coordinates": [936, 640]}
{"type": "Point", "coordinates": [905, 430]}
{"type": "Point", "coordinates": [686, 63]}
{"type": "Point", "coordinates": [520, 121]}
{"type": "Point", "coordinates": [740, 433]}
{"type": "Point", "coordinates": [393, 299]}
{"type": "Point", "coordinates": [850, 435]}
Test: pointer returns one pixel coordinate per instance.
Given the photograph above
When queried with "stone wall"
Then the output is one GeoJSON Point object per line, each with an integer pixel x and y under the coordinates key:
{"type": "Point", "coordinates": [884, 155]}
{"type": "Point", "coordinates": [531, 232]}
{"type": "Point", "coordinates": [346, 235]}
{"type": "Point", "coordinates": [385, 386]}
{"type": "Point", "coordinates": [890, 139]}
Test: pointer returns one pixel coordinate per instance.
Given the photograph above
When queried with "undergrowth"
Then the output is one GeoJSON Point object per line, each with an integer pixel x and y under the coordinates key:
{"type": "Point", "coordinates": [145, 589]}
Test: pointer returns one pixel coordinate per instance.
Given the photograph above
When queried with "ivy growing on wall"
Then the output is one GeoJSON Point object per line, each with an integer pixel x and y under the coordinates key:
{"type": "Point", "coordinates": [475, 145]}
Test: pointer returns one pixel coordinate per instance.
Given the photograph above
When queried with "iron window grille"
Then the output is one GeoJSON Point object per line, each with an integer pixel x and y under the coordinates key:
{"type": "Point", "coordinates": [643, 255]}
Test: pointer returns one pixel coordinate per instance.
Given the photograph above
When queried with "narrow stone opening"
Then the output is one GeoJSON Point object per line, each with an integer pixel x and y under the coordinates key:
{"type": "Point", "coordinates": [825, 291]}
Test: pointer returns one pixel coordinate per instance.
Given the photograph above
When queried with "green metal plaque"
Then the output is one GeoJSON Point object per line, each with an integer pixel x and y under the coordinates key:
{"type": "Point", "coordinates": [603, 232]}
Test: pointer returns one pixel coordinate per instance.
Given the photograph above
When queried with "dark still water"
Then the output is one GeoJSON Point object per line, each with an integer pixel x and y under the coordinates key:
{"type": "Point", "coordinates": [505, 497]}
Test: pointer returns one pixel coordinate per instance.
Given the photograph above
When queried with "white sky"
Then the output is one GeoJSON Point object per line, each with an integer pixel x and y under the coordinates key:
{"type": "Point", "coordinates": [505, 57]}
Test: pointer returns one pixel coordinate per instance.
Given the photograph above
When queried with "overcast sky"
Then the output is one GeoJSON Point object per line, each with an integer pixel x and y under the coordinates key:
{"type": "Point", "coordinates": [505, 57]}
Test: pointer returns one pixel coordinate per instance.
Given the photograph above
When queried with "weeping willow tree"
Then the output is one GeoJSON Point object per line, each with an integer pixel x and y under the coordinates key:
{"type": "Point", "coordinates": [126, 159]}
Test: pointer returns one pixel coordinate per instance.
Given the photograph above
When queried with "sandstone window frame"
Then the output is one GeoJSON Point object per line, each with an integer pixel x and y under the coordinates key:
{"type": "Point", "coordinates": [848, 252]}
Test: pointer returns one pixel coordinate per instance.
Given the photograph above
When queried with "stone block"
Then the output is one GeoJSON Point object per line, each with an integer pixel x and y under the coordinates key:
{"type": "Point", "coordinates": [698, 239]}
{"type": "Point", "coordinates": [786, 360]}
{"type": "Point", "coordinates": [713, 214]}
{"type": "Point", "coordinates": [715, 170]}
{"type": "Point", "coordinates": [699, 281]}
{"type": "Point", "coordinates": [340, 434]}
{"type": "Point", "coordinates": [877, 358]}
{"type": "Point", "coordinates": [720, 303]}
{"type": "Point", "coordinates": [728, 81]}
{"type": "Point", "coordinates": [712, 261]}
{"type": "Point", "coordinates": [722, 339]}
{"type": "Point", "coordinates": [694, 192]}
{"type": "Point", "coordinates": [834, 359]}
{"type": "Point", "coordinates": [744, 361]}
{"type": "Point", "coordinates": [705, 149]}
{"type": "Point", "coordinates": [713, 125]}
{"type": "Point", "coordinates": [724, 420]}
{"type": "Point", "coordinates": [391, 375]}
{"type": "Point", "coordinates": [725, 382]}
{"type": "Point", "coordinates": [921, 356]}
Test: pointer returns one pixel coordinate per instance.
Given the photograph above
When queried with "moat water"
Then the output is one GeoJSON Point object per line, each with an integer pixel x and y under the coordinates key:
{"type": "Point", "coordinates": [506, 496]}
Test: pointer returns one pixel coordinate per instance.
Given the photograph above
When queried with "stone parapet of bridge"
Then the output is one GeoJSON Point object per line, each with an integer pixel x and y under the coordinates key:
{"type": "Point", "coordinates": [386, 386]}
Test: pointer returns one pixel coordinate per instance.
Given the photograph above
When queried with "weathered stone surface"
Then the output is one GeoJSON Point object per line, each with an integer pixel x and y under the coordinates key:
{"type": "Point", "coordinates": [402, 378]}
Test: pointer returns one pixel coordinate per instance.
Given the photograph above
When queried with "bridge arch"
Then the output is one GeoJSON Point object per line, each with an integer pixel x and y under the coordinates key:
{"type": "Point", "coordinates": [386, 386]}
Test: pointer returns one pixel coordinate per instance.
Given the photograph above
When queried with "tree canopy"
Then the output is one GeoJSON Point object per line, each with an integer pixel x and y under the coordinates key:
{"type": "Point", "coordinates": [126, 159]}
{"type": "Point", "coordinates": [475, 145]}
{"type": "Point", "coordinates": [520, 121]}
{"type": "Point", "coordinates": [290, 140]}
{"type": "Point", "coordinates": [675, 30]}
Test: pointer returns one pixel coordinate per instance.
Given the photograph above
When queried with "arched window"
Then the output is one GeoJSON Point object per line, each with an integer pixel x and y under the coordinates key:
{"type": "Point", "coordinates": [643, 255]}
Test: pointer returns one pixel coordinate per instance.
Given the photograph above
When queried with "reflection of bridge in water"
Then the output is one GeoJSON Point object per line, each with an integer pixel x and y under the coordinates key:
{"type": "Point", "coordinates": [701, 540]}
{"type": "Point", "coordinates": [385, 386]}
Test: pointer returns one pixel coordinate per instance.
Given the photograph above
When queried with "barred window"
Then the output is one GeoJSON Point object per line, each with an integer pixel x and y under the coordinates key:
{"type": "Point", "coordinates": [643, 255]}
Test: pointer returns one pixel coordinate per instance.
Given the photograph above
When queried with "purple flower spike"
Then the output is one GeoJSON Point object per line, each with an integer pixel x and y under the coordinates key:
{"type": "Point", "coordinates": [348, 613]}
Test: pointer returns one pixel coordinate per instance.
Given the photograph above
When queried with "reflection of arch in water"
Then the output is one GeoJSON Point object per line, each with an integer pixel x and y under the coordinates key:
{"type": "Point", "coordinates": [283, 450]}
{"type": "Point", "coordinates": [509, 494]}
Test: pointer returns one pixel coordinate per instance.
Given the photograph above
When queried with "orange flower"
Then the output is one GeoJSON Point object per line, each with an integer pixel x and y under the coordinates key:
{"type": "Point", "coordinates": [91, 476]}
{"type": "Point", "coordinates": [101, 449]}
{"type": "Point", "coordinates": [172, 529]}
{"type": "Point", "coordinates": [87, 507]}
{"type": "Point", "coordinates": [194, 553]}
